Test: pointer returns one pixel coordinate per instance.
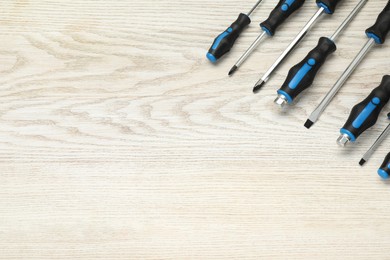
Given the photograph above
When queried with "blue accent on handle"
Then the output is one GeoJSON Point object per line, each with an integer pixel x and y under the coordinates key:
{"type": "Point", "coordinates": [384, 175]}
{"type": "Point", "coordinates": [367, 111]}
{"type": "Point", "coordinates": [311, 62]}
{"type": "Point", "coordinates": [301, 73]}
{"type": "Point", "coordinates": [388, 166]}
{"type": "Point", "coordinates": [287, 96]}
{"type": "Point", "coordinates": [221, 37]}
{"type": "Point", "coordinates": [327, 10]}
{"type": "Point", "coordinates": [375, 37]}
{"type": "Point", "coordinates": [345, 131]}
{"type": "Point", "coordinates": [211, 58]}
{"type": "Point", "coordinates": [266, 30]}
{"type": "Point", "coordinates": [287, 4]}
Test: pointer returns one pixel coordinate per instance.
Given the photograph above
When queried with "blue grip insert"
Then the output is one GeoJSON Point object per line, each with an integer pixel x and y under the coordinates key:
{"type": "Point", "coordinates": [286, 95]}
{"type": "Point", "coordinates": [266, 30]}
{"type": "Point", "coordinates": [327, 9]}
{"type": "Point", "coordinates": [220, 38]}
{"type": "Point", "coordinates": [384, 175]}
{"type": "Point", "coordinates": [375, 37]}
{"type": "Point", "coordinates": [301, 73]}
{"type": "Point", "coordinates": [367, 111]}
{"type": "Point", "coordinates": [346, 132]}
{"type": "Point", "coordinates": [211, 57]}
{"type": "Point", "coordinates": [287, 4]}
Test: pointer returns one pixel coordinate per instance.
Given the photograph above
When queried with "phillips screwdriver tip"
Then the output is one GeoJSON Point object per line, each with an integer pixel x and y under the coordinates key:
{"type": "Point", "coordinates": [232, 70]}
{"type": "Point", "coordinates": [258, 86]}
{"type": "Point", "coordinates": [362, 162]}
{"type": "Point", "coordinates": [309, 123]}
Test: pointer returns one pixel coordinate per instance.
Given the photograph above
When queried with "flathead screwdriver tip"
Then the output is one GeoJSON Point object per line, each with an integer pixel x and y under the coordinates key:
{"type": "Point", "coordinates": [362, 162]}
{"type": "Point", "coordinates": [309, 123]}
{"type": "Point", "coordinates": [258, 86]}
{"type": "Point", "coordinates": [232, 70]}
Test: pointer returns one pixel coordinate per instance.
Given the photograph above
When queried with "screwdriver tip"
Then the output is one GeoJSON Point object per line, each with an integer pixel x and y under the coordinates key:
{"type": "Point", "coordinates": [362, 162]}
{"type": "Point", "coordinates": [309, 123]}
{"type": "Point", "coordinates": [258, 86]}
{"type": "Point", "coordinates": [232, 70]}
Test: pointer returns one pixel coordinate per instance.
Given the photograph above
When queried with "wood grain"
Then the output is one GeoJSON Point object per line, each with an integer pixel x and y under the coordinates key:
{"type": "Point", "coordinates": [118, 139]}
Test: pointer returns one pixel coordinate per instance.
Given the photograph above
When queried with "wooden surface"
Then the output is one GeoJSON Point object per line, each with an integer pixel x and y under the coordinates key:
{"type": "Point", "coordinates": [119, 140]}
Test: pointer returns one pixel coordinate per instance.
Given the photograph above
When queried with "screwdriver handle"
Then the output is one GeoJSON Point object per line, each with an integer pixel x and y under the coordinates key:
{"type": "Point", "coordinates": [279, 14]}
{"type": "Point", "coordinates": [225, 41]}
{"type": "Point", "coordinates": [380, 29]}
{"type": "Point", "coordinates": [365, 114]}
{"type": "Point", "coordinates": [328, 5]}
{"type": "Point", "coordinates": [302, 75]}
{"type": "Point", "coordinates": [384, 170]}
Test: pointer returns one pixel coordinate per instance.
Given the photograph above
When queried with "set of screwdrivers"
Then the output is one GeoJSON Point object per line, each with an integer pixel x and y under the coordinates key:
{"type": "Point", "coordinates": [302, 75]}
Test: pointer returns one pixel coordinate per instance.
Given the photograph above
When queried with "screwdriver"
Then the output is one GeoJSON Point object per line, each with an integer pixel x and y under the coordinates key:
{"type": "Point", "coordinates": [301, 76]}
{"type": "Point", "coordinates": [278, 15]}
{"type": "Point", "coordinates": [384, 170]}
{"type": "Point", "coordinates": [372, 149]}
{"type": "Point", "coordinates": [225, 41]}
{"type": "Point", "coordinates": [327, 6]}
{"type": "Point", "coordinates": [365, 114]}
{"type": "Point", "coordinates": [376, 34]}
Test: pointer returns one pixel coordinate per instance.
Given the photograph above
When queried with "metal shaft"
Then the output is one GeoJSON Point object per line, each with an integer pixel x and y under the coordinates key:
{"type": "Point", "coordinates": [292, 45]}
{"type": "Point", "coordinates": [254, 7]}
{"type": "Point", "coordinates": [375, 146]}
{"type": "Point", "coordinates": [347, 20]}
{"type": "Point", "coordinates": [340, 82]}
{"type": "Point", "coordinates": [250, 49]}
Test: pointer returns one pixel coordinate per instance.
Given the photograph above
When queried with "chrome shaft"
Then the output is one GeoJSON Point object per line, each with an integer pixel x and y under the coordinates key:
{"type": "Point", "coordinates": [375, 146]}
{"type": "Point", "coordinates": [347, 20]}
{"type": "Point", "coordinates": [340, 82]}
{"type": "Point", "coordinates": [292, 45]}
{"type": "Point", "coordinates": [250, 49]}
{"type": "Point", "coordinates": [254, 7]}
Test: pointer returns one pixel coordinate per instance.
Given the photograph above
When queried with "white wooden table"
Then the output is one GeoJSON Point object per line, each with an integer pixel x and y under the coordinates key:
{"type": "Point", "coordinates": [119, 140]}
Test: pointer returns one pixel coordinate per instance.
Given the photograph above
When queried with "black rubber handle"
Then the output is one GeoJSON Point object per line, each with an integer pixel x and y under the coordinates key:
{"type": "Point", "coordinates": [381, 27]}
{"type": "Point", "coordinates": [384, 170]}
{"type": "Point", "coordinates": [365, 114]}
{"type": "Point", "coordinates": [301, 76]}
{"type": "Point", "coordinates": [328, 5]}
{"type": "Point", "coordinates": [225, 41]}
{"type": "Point", "coordinates": [279, 14]}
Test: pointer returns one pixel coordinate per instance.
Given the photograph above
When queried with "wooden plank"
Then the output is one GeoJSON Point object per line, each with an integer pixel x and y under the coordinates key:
{"type": "Point", "coordinates": [119, 140]}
